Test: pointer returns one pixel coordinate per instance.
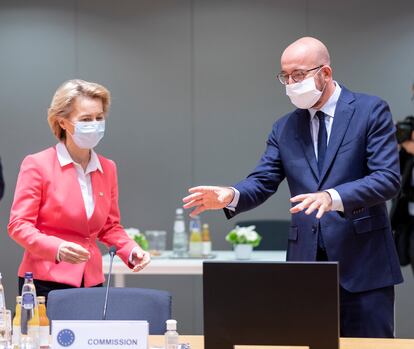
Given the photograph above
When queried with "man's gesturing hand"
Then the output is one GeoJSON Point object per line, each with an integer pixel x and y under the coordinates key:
{"type": "Point", "coordinates": [320, 201]}
{"type": "Point", "coordinates": [205, 198]}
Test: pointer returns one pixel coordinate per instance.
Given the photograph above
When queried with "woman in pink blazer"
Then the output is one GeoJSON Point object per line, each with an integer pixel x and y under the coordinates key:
{"type": "Point", "coordinates": [66, 198]}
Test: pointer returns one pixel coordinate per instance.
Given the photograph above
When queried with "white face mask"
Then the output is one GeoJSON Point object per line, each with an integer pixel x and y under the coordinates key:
{"type": "Point", "coordinates": [304, 94]}
{"type": "Point", "coordinates": [87, 134]}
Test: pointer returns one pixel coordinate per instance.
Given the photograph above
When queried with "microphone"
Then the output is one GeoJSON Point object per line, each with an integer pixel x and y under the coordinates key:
{"type": "Point", "coordinates": [112, 253]}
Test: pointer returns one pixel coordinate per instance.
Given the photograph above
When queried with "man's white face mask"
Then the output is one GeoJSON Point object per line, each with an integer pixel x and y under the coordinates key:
{"type": "Point", "coordinates": [304, 94]}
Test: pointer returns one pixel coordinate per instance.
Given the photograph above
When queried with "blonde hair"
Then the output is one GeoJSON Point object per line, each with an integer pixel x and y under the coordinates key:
{"type": "Point", "coordinates": [65, 95]}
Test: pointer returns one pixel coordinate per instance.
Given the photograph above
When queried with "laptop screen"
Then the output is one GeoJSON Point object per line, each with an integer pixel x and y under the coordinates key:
{"type": "Point", "coordinates": [270, 303]}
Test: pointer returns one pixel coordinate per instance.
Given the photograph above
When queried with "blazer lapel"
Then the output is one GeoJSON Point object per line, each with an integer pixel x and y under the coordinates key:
{"type": "Point", "coordinates": [305, 139]}
{"type": "Point", "coordinates": [343, 115]}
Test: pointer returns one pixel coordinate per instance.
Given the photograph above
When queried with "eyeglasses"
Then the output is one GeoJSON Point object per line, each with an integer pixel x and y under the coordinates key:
{"type": "Point", "coordinates": [297, 75]}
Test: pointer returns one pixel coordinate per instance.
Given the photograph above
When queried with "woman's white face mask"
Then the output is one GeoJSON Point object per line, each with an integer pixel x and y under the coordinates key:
{"type": "Point", "coordinates": [304, 94]}
{"type": "Point", "coordinates": [87, 134]}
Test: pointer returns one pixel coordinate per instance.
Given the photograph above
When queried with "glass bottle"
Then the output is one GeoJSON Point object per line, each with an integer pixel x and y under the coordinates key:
{"type": "Point", "coordinates": [16, 323]}
{"type": "Point", "coordinates": [29, 319]}
{"type": "Point", "coordinates": [5, 327]}
{"type": "Point", "coordinates": [2, 297]}
{"type": "Point", "coordinates": [171, 335]}
{"type": "Point", "coordinates": [195, 246]}
{"type": "Point", "coordinates": [180, 238]}
{"type": "Point", "coordinates": [206, 244]}
{"type": "Point", "coordinates": [44, 324]}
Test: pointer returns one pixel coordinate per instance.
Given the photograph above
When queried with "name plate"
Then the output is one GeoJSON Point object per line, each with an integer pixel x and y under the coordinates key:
{"type": "Point", "coordinates": [108, 334]}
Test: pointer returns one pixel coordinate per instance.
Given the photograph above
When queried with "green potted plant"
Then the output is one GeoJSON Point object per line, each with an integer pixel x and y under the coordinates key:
{"type": "Point", "coordinates": [138, 237]}
{"type": "Point", "coordinates": [243, 239]}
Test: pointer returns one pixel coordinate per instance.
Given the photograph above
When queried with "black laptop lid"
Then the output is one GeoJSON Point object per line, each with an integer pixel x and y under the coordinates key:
{"type": "Point", "coordinates": [271, 303]}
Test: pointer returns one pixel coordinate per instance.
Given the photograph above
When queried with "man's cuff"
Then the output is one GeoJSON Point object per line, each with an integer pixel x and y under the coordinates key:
{"type": "Point", "coordinates": [337, 204]}
{"type": "Point", "coordinates": [233, 204]}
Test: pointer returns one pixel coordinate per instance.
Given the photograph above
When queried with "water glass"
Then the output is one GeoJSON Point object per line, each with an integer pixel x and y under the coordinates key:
{"type": "Point", "coordinates": [26, 342]}
{"type": "Point", "coordinates": [156, 241]}
{"type": "Point", "coordinates": [5, 329]}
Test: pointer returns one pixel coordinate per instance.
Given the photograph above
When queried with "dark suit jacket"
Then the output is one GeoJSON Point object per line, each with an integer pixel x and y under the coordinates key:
{"type": "Point", "coordinates": [361, 164]}
{"type": "Point", "coordinates": [1, 181]}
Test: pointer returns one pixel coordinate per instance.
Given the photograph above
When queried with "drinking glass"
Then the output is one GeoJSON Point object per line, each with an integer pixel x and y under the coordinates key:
{"type": "Point", "coordinates": [156, 241]}
{"type": "Point", "coordinates": [5, 329]}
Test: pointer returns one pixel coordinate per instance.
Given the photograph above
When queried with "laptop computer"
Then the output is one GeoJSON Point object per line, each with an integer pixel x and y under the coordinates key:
{"type": "Point", "coordinates": [271, 303]}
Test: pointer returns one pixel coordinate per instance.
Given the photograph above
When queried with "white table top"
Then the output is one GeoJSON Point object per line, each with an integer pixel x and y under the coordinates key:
{"type": "Point", "coordinates": [186, 266]}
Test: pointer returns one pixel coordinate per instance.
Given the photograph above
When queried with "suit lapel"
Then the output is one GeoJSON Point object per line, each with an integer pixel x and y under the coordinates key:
{"type": "Point", "coordinates": [343, 115]}
{"type": "Point", "coordinates": [305, 139]}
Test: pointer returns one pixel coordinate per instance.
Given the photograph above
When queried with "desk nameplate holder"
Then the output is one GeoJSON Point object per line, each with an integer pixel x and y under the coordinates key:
{"type": "Point", "coordinates": [108, 334]}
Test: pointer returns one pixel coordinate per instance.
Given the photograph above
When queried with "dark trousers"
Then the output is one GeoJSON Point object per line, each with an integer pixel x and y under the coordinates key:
{"type": "Point", "coordinates": [365, 314]}
{"type": "Point", "coordinates": [44, 287]}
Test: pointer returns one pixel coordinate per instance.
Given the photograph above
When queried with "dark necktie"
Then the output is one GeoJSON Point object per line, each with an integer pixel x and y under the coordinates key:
{"type": "Point", "coordinates": [322, 145]}
{"type": "Point", "coordinates": [322, 140]}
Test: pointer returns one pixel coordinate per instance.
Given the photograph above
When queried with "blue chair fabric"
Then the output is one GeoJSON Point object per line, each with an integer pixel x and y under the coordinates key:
{"type": "Point", "coordinates": [123, 304]}
{"type": "Point", "coordinates": [274, 233]}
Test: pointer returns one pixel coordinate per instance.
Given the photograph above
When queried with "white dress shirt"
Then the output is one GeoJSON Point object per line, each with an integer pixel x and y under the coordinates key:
{"type": "Point", "coordinates": [84, 177]}
{"type": "Point", "coordinates": [329, 109]}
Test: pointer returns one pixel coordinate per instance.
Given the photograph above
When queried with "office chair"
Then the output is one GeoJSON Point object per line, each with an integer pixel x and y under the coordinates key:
{"type": "Point", "coordinates": [274, 233]}
{"type": "Point", "coordinates": [123, 304]}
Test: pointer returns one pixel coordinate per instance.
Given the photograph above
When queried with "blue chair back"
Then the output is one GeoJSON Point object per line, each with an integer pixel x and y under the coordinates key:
{"type": "Point", "coordinates": [123, 304]}
{"type": "Point", "coordinates": [274, 233]}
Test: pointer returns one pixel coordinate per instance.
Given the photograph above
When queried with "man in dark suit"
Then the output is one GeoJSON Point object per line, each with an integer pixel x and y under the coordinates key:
{"type": "Point", "coordinates": [338, 152]}
{"type": "Point", "coordinates": [402, 210]}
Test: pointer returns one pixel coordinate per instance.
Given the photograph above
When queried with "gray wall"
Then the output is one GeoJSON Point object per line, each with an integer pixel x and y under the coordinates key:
{"type": "Point", "coordinates": [194, 95]}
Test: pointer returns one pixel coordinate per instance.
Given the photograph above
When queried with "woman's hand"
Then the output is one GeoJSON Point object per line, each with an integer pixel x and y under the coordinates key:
{"type": "Point", "coordinates": [72, 253]}
{"type": "Point", "coordinates": [139, 259]}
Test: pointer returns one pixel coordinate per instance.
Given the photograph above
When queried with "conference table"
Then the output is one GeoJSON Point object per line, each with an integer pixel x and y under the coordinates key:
{"type": "Point", "coordinates": [166, 264]}
{"type": "Point", "coordinates": [197, 342]}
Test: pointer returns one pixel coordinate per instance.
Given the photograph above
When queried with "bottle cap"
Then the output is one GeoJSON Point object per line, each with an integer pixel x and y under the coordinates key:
{"type": "Point", "coordinates": [171, 325]}
{"type": "Point", "coordinates": [179, 211]}
{"type": "Point", "coordinates": [0, 276]}
{"type": "Point", "coordinates": [19, 299]}
{"type": "Point", "coordinates": [205, 225]}
{"type": "Point", "coordinates": [28, 275]}
{"type": "Point", "coordinates": [41, 299]}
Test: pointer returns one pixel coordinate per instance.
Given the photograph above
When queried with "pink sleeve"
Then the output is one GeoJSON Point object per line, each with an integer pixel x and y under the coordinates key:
{"type": "Point", "coordinates": [24, 213]}
{"type": "Point", "coordinates": [113, 233]}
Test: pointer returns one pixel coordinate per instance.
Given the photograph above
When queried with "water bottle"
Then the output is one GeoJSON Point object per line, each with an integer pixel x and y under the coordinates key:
{"type": "Point", "coordinates": [2, 298]}
{"type": "Point", "coordinates": [171, 336]}
{"type": "Point", "coordinates": [4, 320]}
{"type": "Point", "coordinates": [180, 238]}
{"type": "Point", "coordinates": [29, 338]}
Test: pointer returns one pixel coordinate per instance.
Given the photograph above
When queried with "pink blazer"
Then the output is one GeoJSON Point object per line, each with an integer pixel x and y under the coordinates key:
{"type": "Point", "coordinates": [48, 209]}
